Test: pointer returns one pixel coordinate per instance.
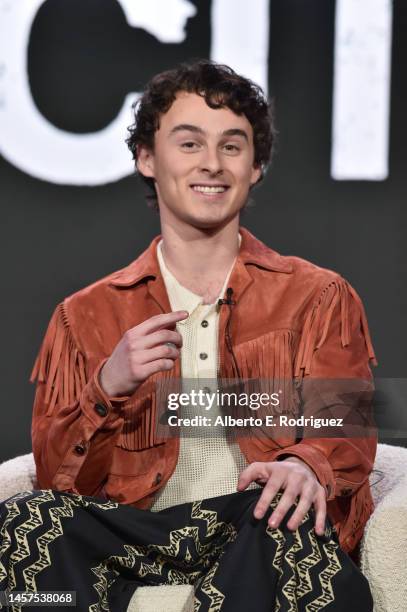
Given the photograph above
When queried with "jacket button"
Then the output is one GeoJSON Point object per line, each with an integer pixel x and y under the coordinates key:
{"type": "Point", "coordinates": [79, 449]}
{"type": "Point", "coordinates": [203, 355]}
{"type": "Point", "coordinates": [101, 410]}
{"type": "Point", "coordinates": [346, 491]}
{"type": "Point", "coordinates": [158, 478]}
{"type": "Point", "coordinates": [204, 323]}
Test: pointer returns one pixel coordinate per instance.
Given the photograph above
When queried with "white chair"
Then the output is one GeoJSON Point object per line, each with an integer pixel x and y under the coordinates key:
{"type": "Point", "coordinates": [384, 544]}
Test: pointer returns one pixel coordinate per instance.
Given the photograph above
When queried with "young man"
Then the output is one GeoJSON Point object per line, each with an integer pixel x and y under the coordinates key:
{"type": "Point", "coordinates": [206, 301]}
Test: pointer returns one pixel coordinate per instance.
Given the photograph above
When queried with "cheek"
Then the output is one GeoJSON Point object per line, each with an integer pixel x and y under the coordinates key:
{"type": "Point", "coordinates": [242, 170]}
{"type": "Point", "coordinates": [172, 184]}
{"type": "Point", "coordinates": [173, 172]}
{"type": "Point", "coordinates": [244, 176]}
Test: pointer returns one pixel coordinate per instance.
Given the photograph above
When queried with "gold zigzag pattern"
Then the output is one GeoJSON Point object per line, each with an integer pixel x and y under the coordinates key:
{"type": "Point", "coordinates": [290, 587]}
{"type": "Point", "coordinates": [325, 578]}
{"type": "Point", "coordinates": [176, 537]}
{"type": "Point", "coordinates": [102, 586]}
{"type": "Point", "coordinates": [299, 584]}
{"type": "Point", "coordinates": [56, 514]}
{"type": "Point", "coordinates": [21, 532]}
{"type": "Point", "coordinates": [129, 561]}
{"type": "Point", "coordinates": [23, 551]}
{"type": "Point", "coordinates": [304, 566]}
{"type": "Point", "coordinates": [278, 536]}
{"type": "Point", "coordinates": [215, 596]}
{"type": "Point", "coordinates": [12, 511]}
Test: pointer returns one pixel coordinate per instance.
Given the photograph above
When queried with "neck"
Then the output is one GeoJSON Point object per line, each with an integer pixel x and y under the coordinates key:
{"type": "Point", "coordinates": [197, 253]}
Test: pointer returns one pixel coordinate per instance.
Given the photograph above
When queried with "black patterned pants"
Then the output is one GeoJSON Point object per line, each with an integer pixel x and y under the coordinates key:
{"type": "Point", "coordinates": [104, 551]}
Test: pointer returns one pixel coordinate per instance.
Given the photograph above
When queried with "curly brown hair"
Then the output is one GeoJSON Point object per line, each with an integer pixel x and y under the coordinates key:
{"type": "Point", "coordinates": [221, 87]}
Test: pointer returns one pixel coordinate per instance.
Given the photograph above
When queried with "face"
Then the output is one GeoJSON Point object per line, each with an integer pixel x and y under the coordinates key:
{"type": "Point", "coordinates": [202, 163]}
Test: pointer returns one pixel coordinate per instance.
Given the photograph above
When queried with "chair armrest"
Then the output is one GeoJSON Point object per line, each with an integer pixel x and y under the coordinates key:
{"type": "Point", "coordinates": [384, 550]}
{"type": "Point", "coordinates": [166, 598]}
{"type": "Point", "coordinates": [17, 475]}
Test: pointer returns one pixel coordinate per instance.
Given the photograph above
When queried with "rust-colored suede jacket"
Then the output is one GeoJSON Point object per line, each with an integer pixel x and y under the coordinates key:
{"type": "Point", "coordinates": [291, 319]}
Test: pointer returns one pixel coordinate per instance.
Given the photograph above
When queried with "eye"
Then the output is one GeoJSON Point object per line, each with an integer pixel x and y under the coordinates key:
{"type": "Point", "coordinates": [189, 145]}
{"type": "Point", "coordinates": [231, 148]}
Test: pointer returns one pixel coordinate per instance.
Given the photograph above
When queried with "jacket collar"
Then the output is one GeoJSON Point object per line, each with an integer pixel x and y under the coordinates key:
{"type": "Point", "coordinates": [252, 251]}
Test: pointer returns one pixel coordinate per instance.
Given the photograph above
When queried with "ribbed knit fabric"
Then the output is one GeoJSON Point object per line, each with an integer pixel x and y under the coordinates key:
{"type": "Point", "coordinates": [209, 462]}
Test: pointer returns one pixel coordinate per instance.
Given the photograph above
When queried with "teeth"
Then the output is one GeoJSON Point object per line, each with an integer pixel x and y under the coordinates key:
{"type": "Point", "coordinates": [206, 189]}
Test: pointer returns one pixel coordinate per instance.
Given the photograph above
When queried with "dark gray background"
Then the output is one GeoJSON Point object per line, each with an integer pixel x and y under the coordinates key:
{"type": "Point", "coordinates": [83, 59]}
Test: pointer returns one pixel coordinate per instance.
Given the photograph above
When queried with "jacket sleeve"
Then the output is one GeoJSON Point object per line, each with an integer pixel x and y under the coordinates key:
{"type": "Point", "coordinates": [75, 425]}
{"type": "Point", "coordinates": [332, 369]}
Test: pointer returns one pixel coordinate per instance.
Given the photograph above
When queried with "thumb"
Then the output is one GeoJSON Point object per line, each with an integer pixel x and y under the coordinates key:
{"type": "Point", "coordinates": [254, 472]}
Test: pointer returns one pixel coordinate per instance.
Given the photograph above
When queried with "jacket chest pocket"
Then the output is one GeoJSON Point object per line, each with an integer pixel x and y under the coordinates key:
{"type": "Point", "coordinates": [266, 365]}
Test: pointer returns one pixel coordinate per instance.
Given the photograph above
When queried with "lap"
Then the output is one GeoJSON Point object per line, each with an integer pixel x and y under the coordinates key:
{"type": "Point", "coordinates": [232, 559]}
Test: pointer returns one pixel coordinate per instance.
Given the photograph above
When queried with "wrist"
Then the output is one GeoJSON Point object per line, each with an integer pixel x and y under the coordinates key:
{"type": "Point", "coordinates": [106, 388]}
{"type": "Point", "coordinates": [295, 459]}
{"type": "Point", "coordinates": [103, 381]}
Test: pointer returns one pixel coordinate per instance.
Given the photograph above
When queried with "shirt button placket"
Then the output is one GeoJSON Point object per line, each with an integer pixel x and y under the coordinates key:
{"type": "Point", "coordinates": [205, 347]}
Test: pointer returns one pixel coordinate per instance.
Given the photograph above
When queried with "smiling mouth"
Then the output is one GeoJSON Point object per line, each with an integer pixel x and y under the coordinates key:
{"type": "Point", "coordinates": [210, 189]}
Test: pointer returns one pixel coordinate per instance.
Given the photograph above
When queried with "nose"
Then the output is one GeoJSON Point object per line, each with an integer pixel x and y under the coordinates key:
{"type": "Point", "coordinates": [211, 161]}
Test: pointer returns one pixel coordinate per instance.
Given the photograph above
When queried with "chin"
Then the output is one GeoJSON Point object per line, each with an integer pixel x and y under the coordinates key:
{"type": "Point", "coordinates": [210, 222]}
{"type": "Point", "coordinates": [202, 223]}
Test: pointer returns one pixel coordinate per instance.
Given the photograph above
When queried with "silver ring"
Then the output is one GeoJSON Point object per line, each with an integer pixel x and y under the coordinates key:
{"type": "Point", "coordinates": [171, 345]}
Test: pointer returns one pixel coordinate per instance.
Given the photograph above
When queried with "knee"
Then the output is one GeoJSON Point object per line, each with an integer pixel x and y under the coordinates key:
{"type": "Point", "coordinates": [26, 502]}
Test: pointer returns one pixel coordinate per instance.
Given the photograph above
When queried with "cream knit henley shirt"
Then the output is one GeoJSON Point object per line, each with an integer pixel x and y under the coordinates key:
{"type": "Point", "coordinates": [210, 461]}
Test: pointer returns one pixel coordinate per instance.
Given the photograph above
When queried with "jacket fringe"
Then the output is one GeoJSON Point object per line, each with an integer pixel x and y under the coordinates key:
{"type": "Point", "coordinates": [59, 364]}
{"type": "Point", "coordinates": [267, 361]}
{"type": "Point", "coordinates": [142, 428]}
{"type": "Point", "coordinates": [318, 320]}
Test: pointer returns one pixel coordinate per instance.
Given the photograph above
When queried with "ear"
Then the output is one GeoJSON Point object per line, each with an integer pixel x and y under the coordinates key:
{"type": "Point", "coordinates": [145, 161]}
{"type": "Point", "coordinates": [255, 176]}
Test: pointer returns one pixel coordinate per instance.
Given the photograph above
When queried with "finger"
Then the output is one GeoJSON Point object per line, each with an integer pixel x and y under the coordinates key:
{"type": "Point", "coordinates": [269, 492]}
{"type": "Point", "coordinates": [157, 366]}
{"type": "Point", "coordinates": [287, 500]}
{"type": "Point", "coordinates": [301, 510]}
{"type": "Point", "coordinates": [254, 471]}
{"type": "Point", "coordinates": [162, 321]}
{"type": "Point", "coordinates": [320, 512]}
{"type": "Point", "coordinates": [163, 351]}
{"type": "Point", "coordinates": [161, 337]}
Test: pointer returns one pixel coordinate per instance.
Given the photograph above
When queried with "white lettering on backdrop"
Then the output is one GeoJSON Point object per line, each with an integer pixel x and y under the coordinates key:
{"type": "Point", "coordinates": [361, 96]}
{"type": "Point", "coordinates": [239, 37]}
{"type": "Point", "coordinates": [32, 143]}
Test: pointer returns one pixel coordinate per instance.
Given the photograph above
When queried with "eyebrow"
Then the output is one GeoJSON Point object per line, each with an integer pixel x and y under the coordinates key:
{"type": "Point", "coordinates": [197, 130]}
